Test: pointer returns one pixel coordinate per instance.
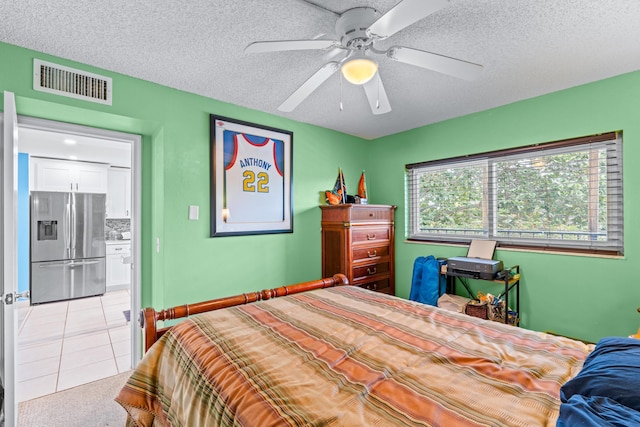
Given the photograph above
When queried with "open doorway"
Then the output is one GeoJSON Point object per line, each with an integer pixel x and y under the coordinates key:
{"type": "Point", "coordinates": [67, 340]}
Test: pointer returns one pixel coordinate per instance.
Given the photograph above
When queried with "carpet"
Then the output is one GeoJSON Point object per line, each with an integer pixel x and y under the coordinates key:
{"type": "Point", "coordinates": [90, 404]}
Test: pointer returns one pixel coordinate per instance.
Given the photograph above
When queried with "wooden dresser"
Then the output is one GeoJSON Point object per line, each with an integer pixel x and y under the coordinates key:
{"type": "Point", "coordinates": [358, 241]}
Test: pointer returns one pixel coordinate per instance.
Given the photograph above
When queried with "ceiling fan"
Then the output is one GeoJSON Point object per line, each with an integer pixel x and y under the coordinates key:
{"type": "Point", "coordinates": [359, 29]}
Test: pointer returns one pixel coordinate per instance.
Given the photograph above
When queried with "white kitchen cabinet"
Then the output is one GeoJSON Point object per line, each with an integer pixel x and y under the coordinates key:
{"type": "Point", "coordinates": [65, 175]}
{"type": "Point", "coordinates": [118, 265]}
{"type": "Point", "coordinates": [119, 193]}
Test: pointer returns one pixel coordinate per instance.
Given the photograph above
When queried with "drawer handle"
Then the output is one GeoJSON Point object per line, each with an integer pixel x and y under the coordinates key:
{"type": "Point", "coordinates": [370, 271]}
{"type": "Point", "coordinates": [371, 214]}
{"type": "Point", "coordinates": [374, 287]}
{"type": "Point", "coordinates": [371, 236]}
{"type": "Point", "coordinates": [374, 254]}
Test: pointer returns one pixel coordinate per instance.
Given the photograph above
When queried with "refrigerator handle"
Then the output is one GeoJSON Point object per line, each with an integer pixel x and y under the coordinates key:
{"type": "Point", "coordinates": [67, 224]}
{"type": "Point", "coordinates": [72, 199]}
{"type": "Point", "coordinates": [54, 264]}
{"type": "Point", "coordinates": [74, 263]}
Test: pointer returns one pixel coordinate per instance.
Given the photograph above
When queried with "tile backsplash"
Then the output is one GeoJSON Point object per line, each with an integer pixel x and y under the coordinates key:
{"type": "Point", "coordinates": [114, 227]}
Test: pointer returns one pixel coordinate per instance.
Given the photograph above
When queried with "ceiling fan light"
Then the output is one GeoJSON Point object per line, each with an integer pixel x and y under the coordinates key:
{"type": "Point", "coordinates": [358, 71]}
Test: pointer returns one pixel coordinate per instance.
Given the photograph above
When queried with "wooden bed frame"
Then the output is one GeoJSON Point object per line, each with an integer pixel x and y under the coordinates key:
{"type": "Point", "coordinates": [149, 317]}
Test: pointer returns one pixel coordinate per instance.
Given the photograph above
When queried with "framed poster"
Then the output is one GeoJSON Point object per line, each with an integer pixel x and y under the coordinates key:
{"type": "Point", "coordinates": [250, 178]}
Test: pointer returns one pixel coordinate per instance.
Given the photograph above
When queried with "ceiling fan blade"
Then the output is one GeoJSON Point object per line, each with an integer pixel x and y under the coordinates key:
{"type": "Point", "coordinates": [432, 61]}
{"type": "Point", "coordinates": [283, 45]}
{"type": "Point", "coordinates": [334, 52]}
{"type": "Point", "coordinates": [309, 86]}
{"type": "Point", "coordinates": [377, 96]}
{"type": "Point", "coordinates": [402, 15]}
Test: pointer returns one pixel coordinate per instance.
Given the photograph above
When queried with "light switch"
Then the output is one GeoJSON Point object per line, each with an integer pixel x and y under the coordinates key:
{"type": "Point", "coordinates": [193, 212]}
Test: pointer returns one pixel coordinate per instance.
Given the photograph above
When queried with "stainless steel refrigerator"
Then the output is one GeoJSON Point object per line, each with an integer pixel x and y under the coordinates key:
{"type": "Point", "coordinates": [67, 246]}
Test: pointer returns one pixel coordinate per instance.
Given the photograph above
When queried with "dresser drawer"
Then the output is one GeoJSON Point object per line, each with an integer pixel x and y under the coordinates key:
{"type": "Point", "coordinates": [349, 213]}
{"type": "Point", "coordinates": [369, 253]}
{"type": "Point", "coordinates": [371, 213]}
{"type": "Point", "coordinates": [370, 234]}
{"type": "Point", "coordinates": [366, 271]}
{"type": "Point", "coordinates": [381, 285]}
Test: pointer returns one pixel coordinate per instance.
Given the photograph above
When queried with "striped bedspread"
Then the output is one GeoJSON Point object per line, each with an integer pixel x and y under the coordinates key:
{"type": "Point", "coordinates": [346, 356]}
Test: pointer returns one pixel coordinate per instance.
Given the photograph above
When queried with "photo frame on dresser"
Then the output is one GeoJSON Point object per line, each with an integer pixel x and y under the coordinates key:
{"type": "Point", "coordinates": [251, 178]}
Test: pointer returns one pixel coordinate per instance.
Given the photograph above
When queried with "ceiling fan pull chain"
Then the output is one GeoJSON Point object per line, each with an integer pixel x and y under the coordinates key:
{"type": "Point", "coordinates": [341, 108]}
{"type": "Point", "coordinates": [378, 95]}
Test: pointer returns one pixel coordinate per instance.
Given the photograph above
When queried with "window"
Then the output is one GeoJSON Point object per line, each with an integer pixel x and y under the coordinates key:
{"type": "Point", "coordinates": [563, 195]}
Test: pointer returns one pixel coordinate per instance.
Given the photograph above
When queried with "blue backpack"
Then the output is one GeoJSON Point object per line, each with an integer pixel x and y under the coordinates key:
{"type": "Point", "coordinates": [426, 284]}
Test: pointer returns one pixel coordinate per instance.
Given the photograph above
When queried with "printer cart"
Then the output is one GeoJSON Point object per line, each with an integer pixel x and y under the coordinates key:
{"type": "Point", "coordinates": [509, 283]}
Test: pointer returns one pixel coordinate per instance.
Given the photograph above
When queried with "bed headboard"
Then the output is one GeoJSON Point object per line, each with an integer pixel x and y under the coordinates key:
{"type": "Point", "coordinates": [149, 317]}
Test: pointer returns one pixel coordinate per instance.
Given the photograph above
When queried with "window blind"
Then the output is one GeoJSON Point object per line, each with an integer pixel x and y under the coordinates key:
{"type": "Point", "coordinates": [559, 195]}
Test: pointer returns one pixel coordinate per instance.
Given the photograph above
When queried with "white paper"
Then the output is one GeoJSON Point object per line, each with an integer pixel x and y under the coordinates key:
{"type": "Point", "coordinates": [481, 249]}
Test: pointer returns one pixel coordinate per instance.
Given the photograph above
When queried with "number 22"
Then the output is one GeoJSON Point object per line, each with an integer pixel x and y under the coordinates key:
{"type": "Point", "coordinates": [249, 183]}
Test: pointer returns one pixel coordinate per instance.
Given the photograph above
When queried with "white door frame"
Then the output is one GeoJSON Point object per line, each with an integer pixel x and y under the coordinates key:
{"type": "Point", "coordinates": [9, 263]}
{"type": "Point", "coordinates": [136, 163]}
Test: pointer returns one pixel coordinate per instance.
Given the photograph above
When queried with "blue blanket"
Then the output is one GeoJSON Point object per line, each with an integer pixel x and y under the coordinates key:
{"type": "Point", "coordinates": [606, 392]}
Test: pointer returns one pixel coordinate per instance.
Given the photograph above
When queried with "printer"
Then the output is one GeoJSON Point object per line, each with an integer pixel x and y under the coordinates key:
{"type": "Point", "coordinates": [475, 268]}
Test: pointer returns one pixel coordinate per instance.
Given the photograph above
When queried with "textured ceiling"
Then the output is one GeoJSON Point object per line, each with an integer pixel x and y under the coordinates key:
{"type": "Point", "coordinates": [527, 47]}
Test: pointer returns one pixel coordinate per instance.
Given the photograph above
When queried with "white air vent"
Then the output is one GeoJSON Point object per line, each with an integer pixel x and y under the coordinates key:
{"type": "Point", "coordinates": [65, 81]}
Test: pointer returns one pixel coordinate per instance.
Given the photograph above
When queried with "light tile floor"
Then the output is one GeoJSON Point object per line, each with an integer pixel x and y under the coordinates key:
{"type": "Point", "coordinates": [66, 344]}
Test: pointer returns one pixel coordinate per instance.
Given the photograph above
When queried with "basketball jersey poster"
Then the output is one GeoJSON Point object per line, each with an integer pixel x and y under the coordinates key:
{"type": "Point", "coordinates": [251, 178]}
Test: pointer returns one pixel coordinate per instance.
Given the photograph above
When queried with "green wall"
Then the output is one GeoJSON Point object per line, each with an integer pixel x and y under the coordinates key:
{"type": "Point", "coordinates": [584, 297]}
{"type": "Point", "coordinates": [174, 125]}
{"type": "Point", "coordinates": [580, 296]}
